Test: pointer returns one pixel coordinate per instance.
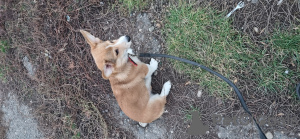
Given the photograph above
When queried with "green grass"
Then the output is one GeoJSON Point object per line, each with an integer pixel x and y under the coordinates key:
{"type": "Point", "coordinates": [282, 56]}
{"type": "Point", "coordinates": [131, 5]}
{"type": "Point", "coordinates": [204, 36]}
{"type": "Point", "coordinates": [188, 113]}
{"type": "Point", "coordinates": [4, 46]}
{"type": "Point", "coordinates": [289, 40]}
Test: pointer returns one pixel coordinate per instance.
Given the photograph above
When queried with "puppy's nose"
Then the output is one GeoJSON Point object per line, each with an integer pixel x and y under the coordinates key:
{"type": "Point", "coordinates": [127, 38]}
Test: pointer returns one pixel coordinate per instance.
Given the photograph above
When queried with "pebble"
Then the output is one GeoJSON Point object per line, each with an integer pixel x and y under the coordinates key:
{"type": "Point", "coordinates": [279, 2]}
{"type": "Point", "coordinates": [199, 93]}
{"type": "Point", "coordinates": [269, 135]}
{"type": "Point", "coordinates": [256, 29]}
{"type": "Point", "coordinates": [254, 1]}
{"type": "Point", "coordinates": [151, 29]}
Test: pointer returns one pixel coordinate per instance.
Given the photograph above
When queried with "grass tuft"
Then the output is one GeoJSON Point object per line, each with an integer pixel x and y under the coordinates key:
{"type": "Point", "coordinates": [287, 40]}
{"type": "Point", "coordinates": [4, 46]}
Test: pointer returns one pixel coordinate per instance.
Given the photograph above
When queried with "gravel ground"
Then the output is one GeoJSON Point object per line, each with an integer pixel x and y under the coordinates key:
{"type": "Point", "coordinates": [19, 119]}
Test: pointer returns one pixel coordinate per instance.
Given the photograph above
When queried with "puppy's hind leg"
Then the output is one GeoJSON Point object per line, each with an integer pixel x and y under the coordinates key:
{"type": "Point", "coordinates": [166, 89]}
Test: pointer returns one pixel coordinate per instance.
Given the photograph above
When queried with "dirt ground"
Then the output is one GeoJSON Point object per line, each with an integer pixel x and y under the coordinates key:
{"type": "Point", "coordinates": [71, 100]}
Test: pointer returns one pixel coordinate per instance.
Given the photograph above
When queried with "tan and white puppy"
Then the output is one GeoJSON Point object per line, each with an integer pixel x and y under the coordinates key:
{"type": "Point", "coordinates": [130, 78]}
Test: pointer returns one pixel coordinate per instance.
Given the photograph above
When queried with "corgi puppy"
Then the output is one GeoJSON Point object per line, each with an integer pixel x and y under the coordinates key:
{"type": "Point", "coordinates": [130, 79]}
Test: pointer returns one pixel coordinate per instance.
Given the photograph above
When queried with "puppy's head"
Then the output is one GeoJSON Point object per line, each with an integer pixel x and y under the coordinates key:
{"type": "Point", "coordinates": [108, 55]}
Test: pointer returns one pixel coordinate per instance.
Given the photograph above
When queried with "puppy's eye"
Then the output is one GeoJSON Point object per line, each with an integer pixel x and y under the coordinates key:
{"type": "Point", "coordinates": [111, 41]}
{"type": "Point", "coordinates": [117, 51]}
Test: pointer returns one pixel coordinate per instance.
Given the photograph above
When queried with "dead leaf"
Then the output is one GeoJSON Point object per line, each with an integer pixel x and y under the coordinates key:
{"type": "Point", "coordinates": [88, 77]}
{"type": "Point", "coordinates": [62, 49]}
{"type": "Point", "coordinates": [71, 66]}
{"type": "Point", "coordinates": [187, 83]}
{"type": "Point", "coordinates": [280, 114]}
{"type": "Point", "coordinates": [235, 81]}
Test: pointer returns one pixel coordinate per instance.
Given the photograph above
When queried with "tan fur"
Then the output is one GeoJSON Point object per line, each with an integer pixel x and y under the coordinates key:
{"type": "Point", "coordinates": [127, 80]}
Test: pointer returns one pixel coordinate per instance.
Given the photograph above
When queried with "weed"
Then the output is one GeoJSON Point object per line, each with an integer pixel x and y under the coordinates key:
{"type": "Point", "coordinates": [4, 46]}
{"type": "Point", "coordinates": [188, 113]}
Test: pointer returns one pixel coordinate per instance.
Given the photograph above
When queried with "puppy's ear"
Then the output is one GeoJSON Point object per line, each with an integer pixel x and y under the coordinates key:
{"type": "Point", "coordinates": [107, 71]}
{"type": "Point", "coordinates": [90, 39]}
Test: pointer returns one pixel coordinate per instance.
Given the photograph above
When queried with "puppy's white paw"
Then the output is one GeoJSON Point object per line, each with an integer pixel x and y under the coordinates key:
{"type": "Point", "coordinates": [166, 89]}
{"type": "Point", "coordinates": [143, 124]}
{"type": "Point", "coordinates": [153, 63]}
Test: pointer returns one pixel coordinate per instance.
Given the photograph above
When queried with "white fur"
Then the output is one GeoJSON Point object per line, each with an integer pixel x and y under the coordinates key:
{"type": "Point", "coordinates": [166, 89]}
{"type": "Point", "coordinates": [130, 51]}
{"type": "Point", "coordinates": [120, 41]}
{"type": "Point", "coordinates": [151, 68]}
{"type": "Point", "coordinates": [143, 124]}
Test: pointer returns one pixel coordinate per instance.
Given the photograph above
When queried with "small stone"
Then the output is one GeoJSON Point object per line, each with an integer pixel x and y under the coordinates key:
{"type": "Point", "coordinates": [29, 66]}
{"type": "Point", "coordinates": [199, 93]}
{"type": "Point", "coordinates": [269, 135]}
{"type": "Point", "coordinates": [207, 132]}
{"type": "Point", "coordinates": [151, 29]}
{"type": "Point", "coordinates": [279, 2]}
{"type": "Point", "coordinates": [68, 18]}
{"type": "Point", "coordinates": [155, 73]}
{"type": "Point", "coordinates": [286, 72]}
{"type": "Point", "coordinates": [140, 30]}
{"type": "Point", "coordinates": [255, 29]}
{"type": "Point", "coordinates": [106, 110]}
{"type": "Point", "coordinates": [172, 132]}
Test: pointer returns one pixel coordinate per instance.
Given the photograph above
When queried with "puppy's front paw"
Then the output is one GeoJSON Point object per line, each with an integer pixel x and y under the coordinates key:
{"type": "Point", "coordinates": [153, 63]}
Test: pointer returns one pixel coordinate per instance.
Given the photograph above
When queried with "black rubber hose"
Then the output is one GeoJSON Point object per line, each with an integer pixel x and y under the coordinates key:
{"type": "Point", "coordinates": [262, 135]}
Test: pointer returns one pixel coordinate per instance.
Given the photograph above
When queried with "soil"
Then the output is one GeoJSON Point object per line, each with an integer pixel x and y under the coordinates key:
{"type": "Point", "coordinates": [63, 85]}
